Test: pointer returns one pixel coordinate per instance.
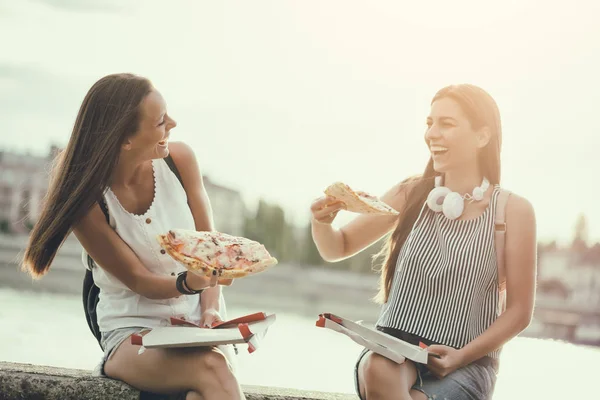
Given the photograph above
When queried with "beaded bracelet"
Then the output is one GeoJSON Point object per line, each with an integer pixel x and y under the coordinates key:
{"type": "Point", "coordinates": [182, 286]}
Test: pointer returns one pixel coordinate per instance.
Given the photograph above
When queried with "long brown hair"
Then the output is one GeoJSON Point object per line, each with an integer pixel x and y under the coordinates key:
{"type": "Point", "coordinates": [110, 113]}
{"type": "Point", "coordinates": [482, 111]}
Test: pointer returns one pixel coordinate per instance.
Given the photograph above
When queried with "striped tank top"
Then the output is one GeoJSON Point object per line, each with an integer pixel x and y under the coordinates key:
{"type": "Point", "coordinates": [445, 287]}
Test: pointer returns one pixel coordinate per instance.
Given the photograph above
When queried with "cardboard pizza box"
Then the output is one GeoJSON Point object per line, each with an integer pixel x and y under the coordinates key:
{"type": "Point", "coordinates": [250, 329]}
{"type": "Point", "coordinates": [381, 343]}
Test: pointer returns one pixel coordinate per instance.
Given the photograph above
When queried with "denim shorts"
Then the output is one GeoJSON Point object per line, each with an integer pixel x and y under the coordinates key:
{"type": "Point", "coordinates": [475, 381]}
{"type": "Point", "coordinates": [110, 341]}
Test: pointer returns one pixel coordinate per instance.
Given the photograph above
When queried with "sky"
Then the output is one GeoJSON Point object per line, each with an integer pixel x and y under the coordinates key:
{"type": "Point", "coordinates": [281, 98]}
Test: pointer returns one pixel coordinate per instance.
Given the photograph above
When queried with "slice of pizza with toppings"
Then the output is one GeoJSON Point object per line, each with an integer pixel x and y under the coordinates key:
{"type": "Point", "coordinates": [204, 252]}
{"type": "Point", "coordinates": [358, 201]}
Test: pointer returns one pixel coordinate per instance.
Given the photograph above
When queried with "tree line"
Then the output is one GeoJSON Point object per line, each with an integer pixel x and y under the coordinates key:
{"type": "Point", "coordinates": [290, 244]}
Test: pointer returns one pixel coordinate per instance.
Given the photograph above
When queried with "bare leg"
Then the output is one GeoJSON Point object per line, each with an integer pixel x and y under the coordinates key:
{"type": "Point", "coordinates": [203, 371]}
{"type": "Point", "coordinates": [380, 378]}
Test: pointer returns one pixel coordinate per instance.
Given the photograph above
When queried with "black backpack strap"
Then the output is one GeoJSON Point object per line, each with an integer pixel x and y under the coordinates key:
{"type": "Point", "coordinates": [90, 292]}
{"type": "Point", "coordinates": [104, 209]}
{"type": "Point", "coordinates": [91, 296]}
{"type": "Point", "coordinates": [173, 168]}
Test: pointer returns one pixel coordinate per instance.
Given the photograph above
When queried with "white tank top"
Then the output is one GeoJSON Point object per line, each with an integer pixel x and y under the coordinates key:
{"type": "Point", "coordinates": [120, 307]}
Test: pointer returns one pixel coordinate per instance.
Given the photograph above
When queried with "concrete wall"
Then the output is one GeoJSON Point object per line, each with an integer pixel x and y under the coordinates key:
{"type": "Point", "coordinates": [31, 382]}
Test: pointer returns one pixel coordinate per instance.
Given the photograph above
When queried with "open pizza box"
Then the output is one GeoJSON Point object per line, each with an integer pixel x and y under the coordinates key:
{"type": "Point", "coordinates": [381, 343]}
{"type": "Point", "coordinates": [250, 329]}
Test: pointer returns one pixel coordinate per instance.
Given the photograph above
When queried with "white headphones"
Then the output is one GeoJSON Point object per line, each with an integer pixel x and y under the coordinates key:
{"type": "Point", "coordinates": [452, 204]}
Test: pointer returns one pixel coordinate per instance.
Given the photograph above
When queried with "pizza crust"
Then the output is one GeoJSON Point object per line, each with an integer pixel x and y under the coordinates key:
{"type": "Point", "coordinates": [355, 203]}
{"type": "Point", "coordinates": [202, 268]}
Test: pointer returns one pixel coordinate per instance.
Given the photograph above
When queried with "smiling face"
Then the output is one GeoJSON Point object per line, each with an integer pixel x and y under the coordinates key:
{"type": "Point", "coordinates": [453, 142]}
{"type": "Point", "coordinates": [151, 140]}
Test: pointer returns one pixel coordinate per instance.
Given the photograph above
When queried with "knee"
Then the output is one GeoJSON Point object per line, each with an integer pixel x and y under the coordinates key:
{"type": "Point", "coordinates": [379, 374]}
{"type": "Point", "coordinates": [377, 370]}
{"type": "Point", "coordinates": [215, 364]}
{"type": "Point", "coordinates": [214, 376]}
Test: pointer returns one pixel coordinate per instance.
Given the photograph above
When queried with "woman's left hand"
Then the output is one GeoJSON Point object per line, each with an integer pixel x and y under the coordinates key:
{"type": "Point", "coordinates": [210, 317]}
{"type": "Point", "coordinates": [450, 360]}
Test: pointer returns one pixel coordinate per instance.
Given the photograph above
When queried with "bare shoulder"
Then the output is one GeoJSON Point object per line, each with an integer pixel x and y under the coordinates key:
{"type": "Point", "coordinates": [182, 153]}
{"type": "Point", "coordinates": [185, 159]}
{"type": "Point", "coordinates": [93, 218]}
{"type": "Point", "coordinates": [518, 206]}
{"type": "Point", "coordinates": [521, 254]}
{"type": "Point", "coordinates": [520, 212]}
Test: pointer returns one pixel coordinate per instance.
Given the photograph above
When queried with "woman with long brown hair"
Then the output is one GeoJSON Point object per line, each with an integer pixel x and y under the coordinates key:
{"type": "Point", "coordinates": [439, 279]}
{"type": "Point", "coordinates": [115, 186]}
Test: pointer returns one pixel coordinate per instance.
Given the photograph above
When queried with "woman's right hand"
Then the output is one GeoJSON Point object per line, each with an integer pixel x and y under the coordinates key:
{"type": "Point", "coordinates": [325, 209]}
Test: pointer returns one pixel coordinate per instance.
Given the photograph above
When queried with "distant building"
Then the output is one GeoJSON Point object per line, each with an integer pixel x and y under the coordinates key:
{"type": "Point", "coordinates": [24, 182]}
{"type": "Point", "coordinates": [554, 264]}
{"type": "Point", "coordinates": [579, 274]}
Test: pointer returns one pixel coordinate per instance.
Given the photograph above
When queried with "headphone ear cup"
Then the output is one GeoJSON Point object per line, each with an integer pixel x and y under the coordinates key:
{"type": "Point", "coordinates": [453, 205]}
{"type": "Point", "coordinates": [436, 198]}
{"type": "Point", "coordinates": [478, 194]}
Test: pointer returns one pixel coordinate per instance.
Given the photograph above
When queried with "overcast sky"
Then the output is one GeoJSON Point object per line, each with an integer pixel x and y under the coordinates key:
{"type": "Point", "coordinates": [281, 98]}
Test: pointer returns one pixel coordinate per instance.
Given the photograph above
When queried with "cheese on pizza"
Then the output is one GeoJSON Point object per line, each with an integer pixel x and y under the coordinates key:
{"type": "Point", "coordinates": [203, 252]}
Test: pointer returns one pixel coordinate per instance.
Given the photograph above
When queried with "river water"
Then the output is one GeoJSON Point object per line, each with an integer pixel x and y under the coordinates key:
{"type": "Point", "coordinates": [50, 329]}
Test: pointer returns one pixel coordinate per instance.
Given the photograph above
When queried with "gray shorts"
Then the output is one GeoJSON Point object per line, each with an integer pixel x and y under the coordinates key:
{"type": "Point", "coordinates": [110, 341]}
{"type": "Point", "coordinates": [476, 381]}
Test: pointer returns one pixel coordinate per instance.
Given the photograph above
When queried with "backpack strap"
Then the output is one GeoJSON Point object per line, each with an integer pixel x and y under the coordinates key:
{"type": "Point", "coordinates": [500, 241]}
{"type": "Point", "coordinates": [90, 292]}
{"type": "Point", "coordinates": [173, 168]}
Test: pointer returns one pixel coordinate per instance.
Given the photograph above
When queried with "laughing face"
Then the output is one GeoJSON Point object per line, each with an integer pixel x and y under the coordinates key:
{"type": "Point", "coordinates": [152, 138]}
{"type": "Point", "coordinates": [453, 142]}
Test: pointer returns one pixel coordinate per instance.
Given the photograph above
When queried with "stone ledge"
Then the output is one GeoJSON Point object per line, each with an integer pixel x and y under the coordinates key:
{"type": "Point", "coordinates": [35, 382]}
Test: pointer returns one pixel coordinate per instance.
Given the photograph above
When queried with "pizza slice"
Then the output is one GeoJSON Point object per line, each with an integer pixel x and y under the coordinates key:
{"type": "Point", "coordinates": [204, 252]}
{"type": "Point", "coordinates": [357, 201]}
